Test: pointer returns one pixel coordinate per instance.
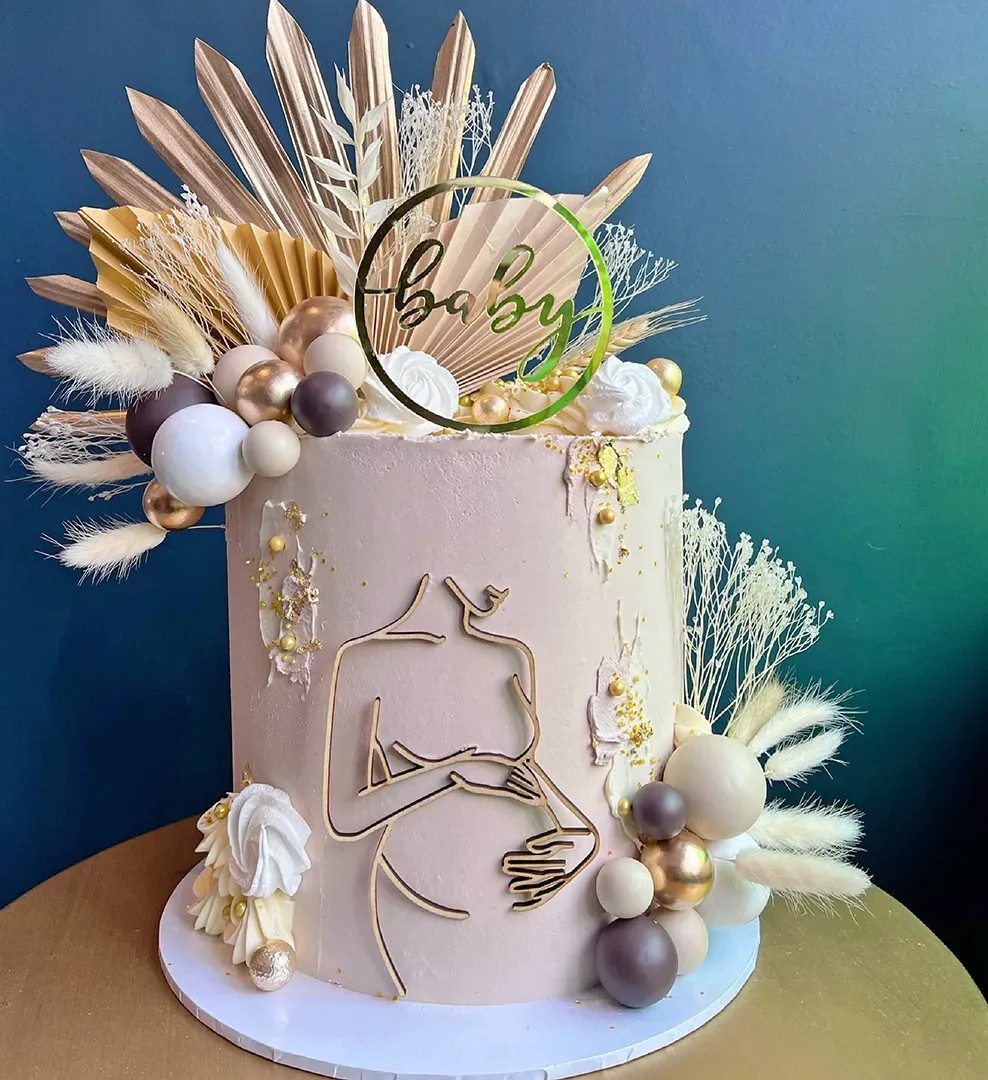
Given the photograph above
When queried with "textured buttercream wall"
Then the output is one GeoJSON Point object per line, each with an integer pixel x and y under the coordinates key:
{"type": "Point", "coordinates": [821, 174]}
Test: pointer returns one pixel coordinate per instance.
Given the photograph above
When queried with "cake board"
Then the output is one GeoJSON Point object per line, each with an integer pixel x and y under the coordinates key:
{"type": "Point", "coordinates": [329, 1031]}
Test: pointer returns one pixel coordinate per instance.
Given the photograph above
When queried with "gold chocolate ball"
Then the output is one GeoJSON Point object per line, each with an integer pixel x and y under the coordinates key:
{"type": "Point", "coordinates": [681, 868]}
{"type": "Point", "coordinates": [598, 478]}
{"type": "Point", "coordinates": [670, 374]}
{"type": "Point", "coordinates": [287, 643]}
{"type": "Point", "coordinates": [624, 807]}
{"type": "Point", "coordinates": [491, 408]}
{"type": "Point", "coordinates": [271, 965]}
{"type": "Point", "coordinates": [264, 391]}
{"type": "Point", "coordinates": [616, 688]}
{"type": "Point", "coordinates": [276, 544]}
{"type": "Point", "coordinates": [161, 508]}
{"type": "Point", "coordinates": [239, 909]}
{"type": "Point", "coordinates": [311, 319]}
{"type": "Point", "coordinates": [606, 516]}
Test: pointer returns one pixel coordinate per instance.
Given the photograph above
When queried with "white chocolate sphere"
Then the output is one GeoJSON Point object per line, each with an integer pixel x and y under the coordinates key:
{"type": "Point", "coordinates": [232, 365]}
{"type": "Point", "coordinates": [689, 934]}
{"type": "Point", "coordinates": [196, 455]}
{"type": "Point", "coordinates": [722, 782]}
{"type": "Point", "coordinates": [339, 353]}
{"type": "Point", "coordinates": [732, 901]}
{"type": "Point", "coordinates": [271, 448]}
{"type": "Point", "coordinates": [624, 887]}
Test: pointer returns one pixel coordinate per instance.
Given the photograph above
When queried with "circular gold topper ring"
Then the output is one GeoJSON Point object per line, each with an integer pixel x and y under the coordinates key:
{"type": "Point", "coordinates": [515, 187]}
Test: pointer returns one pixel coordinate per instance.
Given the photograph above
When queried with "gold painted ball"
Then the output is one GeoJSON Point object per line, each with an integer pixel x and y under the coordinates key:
{"type": "Point", "coordinates": [598, 478]}
{"type": "Point", "coordinates": [670, 374]}
{"type": "Point", "coordinates": [271, 965]}
{"type": "Point", "coordinates": [226, 910]}
{"type": "Point", "coordinates": [616, 687]}
{"type": "Point", "coordinates": [552, 384]}
{"type": "Point", "coordinates": [681, 868]}
{"type": "Point", "coordinates": [311, 319]}
{"type": "Point", "coordinates": [161, 508]}
{"type": "Point", "coordinates": [221, 810]}
{"type": "Point", "coordinates": [606, 516]}
{"type": "Point", "coordinates": [287, 642]}
{"type": "Point", "coordinates": [491, 409]}
{"type": "Point", "coordinates": [276, 544]}
{"type": "Point", "coordinates": [624, 807]}
{"type": "Point", "coordinates": [264, 391]}
{"type": "Point", "coordinates": [239, 909]}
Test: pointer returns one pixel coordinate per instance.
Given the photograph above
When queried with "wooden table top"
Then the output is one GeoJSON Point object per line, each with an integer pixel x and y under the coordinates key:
{"type": "Point", "coordinates": [861, 996]}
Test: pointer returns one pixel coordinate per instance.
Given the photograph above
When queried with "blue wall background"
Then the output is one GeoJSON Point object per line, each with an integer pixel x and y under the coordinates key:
{"type": "Point", "coordinates": [821, 174]}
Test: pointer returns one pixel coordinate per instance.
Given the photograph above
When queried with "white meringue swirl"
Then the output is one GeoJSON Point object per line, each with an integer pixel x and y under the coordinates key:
{"type": "Point", "coordinates": [267, 842]}
{"type": "Point", "coordinates": [422, 379]}
{"type": "Point", "coordinates": [624, 399]}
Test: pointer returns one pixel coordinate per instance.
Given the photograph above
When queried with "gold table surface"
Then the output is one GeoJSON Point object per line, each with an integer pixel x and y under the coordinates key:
{"type": "Point", "coordinates": [859, 995]}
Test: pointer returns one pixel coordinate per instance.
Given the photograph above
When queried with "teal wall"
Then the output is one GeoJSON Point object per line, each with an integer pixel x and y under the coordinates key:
{"type": "Point", "coordinates": [821, 173]}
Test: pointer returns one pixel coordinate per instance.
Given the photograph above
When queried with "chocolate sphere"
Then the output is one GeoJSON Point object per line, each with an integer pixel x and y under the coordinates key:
{"type": "Point", "coordinates": [324, 403]}
{"type": "Point", "coordinates": [681, 868]}
{"type": "Point", "coordinates": [147, 414]}
{"type": "Point", "coordinates": [660, 811]}
{"type": "Point", "coordinates": [636, 961]}
{"type": "Point", "coordinates": [311, 319]}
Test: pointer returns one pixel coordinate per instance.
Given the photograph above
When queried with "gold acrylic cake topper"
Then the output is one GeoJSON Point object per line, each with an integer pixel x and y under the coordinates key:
{"type": "Point", "coordinates": [536, 872]}
{"type": "Point", "coordinates": [412, 294]}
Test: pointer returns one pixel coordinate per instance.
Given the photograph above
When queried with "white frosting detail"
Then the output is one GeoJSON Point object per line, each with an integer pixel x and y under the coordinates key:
{"type": "Point", "coordinates": [267, 841]}
{"type": "Point", "coordinates": [624, 399]}
{"type": "Point", "coordinates": [270, 919]}
{"type": "Point", "coordinates": [422, 379]}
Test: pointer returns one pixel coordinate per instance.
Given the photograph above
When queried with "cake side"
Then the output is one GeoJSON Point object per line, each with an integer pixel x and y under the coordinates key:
{"type": "Point", "coordinates": [391, 524]}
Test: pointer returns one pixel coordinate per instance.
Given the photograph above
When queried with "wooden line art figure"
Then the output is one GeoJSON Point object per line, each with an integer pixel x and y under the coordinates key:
{"type": "Point", "coordinates": [537, 871]}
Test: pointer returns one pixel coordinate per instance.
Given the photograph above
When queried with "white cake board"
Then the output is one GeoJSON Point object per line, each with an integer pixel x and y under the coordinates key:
{"type": "Point", "coordinates": [329, 1031]}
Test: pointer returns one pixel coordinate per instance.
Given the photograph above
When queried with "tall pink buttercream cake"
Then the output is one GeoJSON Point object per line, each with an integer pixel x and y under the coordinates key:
{"type": "Point", "coordinates": [470, 881]}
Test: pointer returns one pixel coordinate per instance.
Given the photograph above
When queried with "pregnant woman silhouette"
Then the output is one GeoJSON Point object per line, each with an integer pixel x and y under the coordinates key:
{"type": "Point", "coordinates": [538, 870]}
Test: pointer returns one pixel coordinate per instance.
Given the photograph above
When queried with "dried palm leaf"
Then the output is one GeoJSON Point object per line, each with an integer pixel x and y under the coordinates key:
{"type": "Point", "coordinates": [73, 226]}
{"type": "Point", "coordinates": [254, 144]}
{"type": "Point", "coordinates": [37, 360]}
{"type": "Point", "coordinates": [193, 161]}
{"type": "Point", "coordinates": [126, 184]}
{"type": "Point", "coordinates": [70, 292]}
{"type": "Point", "coordinates": [370, 75]}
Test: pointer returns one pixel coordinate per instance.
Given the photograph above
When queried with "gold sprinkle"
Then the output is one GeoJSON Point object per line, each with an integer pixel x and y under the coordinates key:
{"type": "Point", "coordinates": [325, 513]}
{"type": "Point", "coordinates": [624, 807]}
{"type": "Point", "coordinates": [606, 516]}
{"type": "Point", "coordinates": [276, 544]}
{"type": "Point", "coordinates": [363, 583]}
{"type": "Point", "coordinates": [566, 574]}
{"type": "Point", "coordinates": [616, 687]}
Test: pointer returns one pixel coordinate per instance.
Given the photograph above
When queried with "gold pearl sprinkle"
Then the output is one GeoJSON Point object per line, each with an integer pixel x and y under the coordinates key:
{"type": "Point", "coordinates": [276, 544]}
{"type": "Point", "coordinates": [616, 688]}
{"type": "Point", "coordinates": [466, 401]}
{"type": "Point", "coordinates": [571, 372]}
{"type": "Point", "coordinates": [598, 478]}
{"type": "Point", "coordinates": [606, 516]}
{"type": "Point", "coordinates": [287, 643]}
{"type": "Point", "coordinates": [624, 807]}
{"type": "Point", "coordinates": [221, 810]}
{"type": "Point", "coordinates": [552, 384]}
{"type": "Point", "coordinates": [226, 915]}
{"type": "Point", "coordinates": [239, 909]}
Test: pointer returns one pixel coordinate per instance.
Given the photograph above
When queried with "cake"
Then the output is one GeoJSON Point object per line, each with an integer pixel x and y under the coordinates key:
{"type": "Point", "coordinates": [505, 709]}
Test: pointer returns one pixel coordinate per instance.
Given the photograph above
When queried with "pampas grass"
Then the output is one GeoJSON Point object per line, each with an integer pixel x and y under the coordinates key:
{"type": "Point", "coordinates": [799, 714]}
{"type": "Point", "coordinates": [754, 714]}
{"type": "Point", "coordinates": [809, 827]}
{"type": "Point", "coordinates": [102, 362]}
{"type": "Point", "coordinates": [246, 296]}
{"type": "Point", "coordinates": [794, 762]}
{"type": "Point", "coordinates": [180, 337]}
{"type": "Point", "coordinates": [803, 879]}
{"type": "Point", "coordinates": [100, 550]}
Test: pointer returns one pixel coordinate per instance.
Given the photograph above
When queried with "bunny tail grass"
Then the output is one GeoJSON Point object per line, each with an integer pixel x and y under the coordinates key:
{"type": "Point", "coordinates": [247, 298]}
{"type": "Point", "coordinates": [89, 471]}
{"type": "Point", "coordinates": [801, 879]}
{"type": "Point", "coordinates": [809, 827]}
{"type": "Point", "coordinates": [799, 713]}
{"type": "Point", "coordinates": [797, 760]}
{"type": "Point", "coordinates": [106, 363]}
{"type": "Point", "coordinates": [178, 335]}
{"type": "Point", "coordinates": [100, 550]}
{"type": "Point", "coordinates": [754, 713]}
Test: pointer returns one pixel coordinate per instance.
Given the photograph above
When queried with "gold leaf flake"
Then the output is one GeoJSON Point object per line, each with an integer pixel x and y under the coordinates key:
{"type": "Point", "coordinates": [295, 517]}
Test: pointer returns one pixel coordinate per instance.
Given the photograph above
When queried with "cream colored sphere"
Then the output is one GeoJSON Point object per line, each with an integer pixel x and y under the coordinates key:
{"type": "Point", "coordinates": [232, 365]}
{"type": "Point", "coordinates": [732, 901]}
{"type": "Point", "coordinates": [722, 782]}
{"type": "Point", "coordinates": [339, 353]}
{"type": "Point", "coordinates": [689, 934]}
{"type": "Point", "coordinates": [624, 888]}
{"type": "Point", "coordinates": [271, 448]}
